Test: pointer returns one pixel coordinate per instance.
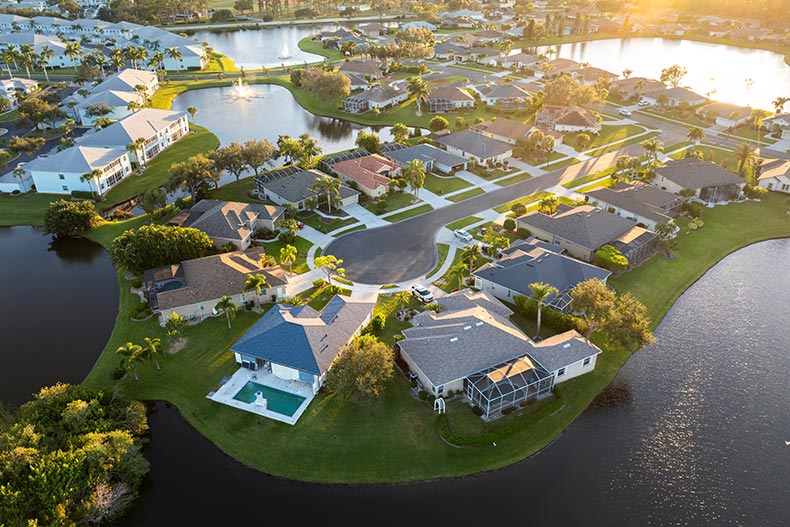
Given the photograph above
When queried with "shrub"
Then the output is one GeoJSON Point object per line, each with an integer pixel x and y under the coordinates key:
{"type": "Point", "coordinates": [477, 411]}
{"type": "Point", "coordinates": [296, 77]}
{"type": "Point", "coordinates": [70, 218]}
{"type": "Point", "coordinates": [555, 320]}
{"type": "Point", "coordinates": [157, 245]}
{"type": "Point", "coordinates": [222, 15]}
{"type": "Point", "coordinates": [413, 383]}
{"type": "Point", "coordinates": [137, 284]}
{"type": "Point", "coordinates": [183, 203]}
{"type": "Point", "coordinates": [378, 322]}
{"type": "Point", "coordinates": [431, 399]}
{"type": "Point", "coordinates": [509, 224]}
{"type": "Point", "coordinates": [319, 283]}
{"type": "Point", "coordinates": [438, 123]}
{"type": "Point", "coordinates": [610, 258]}
{"type": "Point", "coordinates": [753, 192]}
{"type": "Point", "coordinates": [422, 394]}
{"type": "Point", "coordinates": [518, 209]}
{"type": "Point", "coordinates": [118, 373]}
{"type": "Point", "coordinates": [288, 236]}
{"type": "Point", "coordinates": [228, 247]}
{"type": "Point", "coordinates": [82, 194]}
{"type": "Point", "coordinates": [693, 208]}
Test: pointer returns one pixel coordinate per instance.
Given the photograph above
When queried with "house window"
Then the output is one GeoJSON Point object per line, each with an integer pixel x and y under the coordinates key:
{"type": "Point", "coordinates": [786, 186]}
{"type": "Point", "coordinates": [586, 361]}
{"type": "Point", "coordinates": [65, 188]}
{"type": "Point", "coordinates": [61, 176]}
{"type": "Point", "coordinates": [560, 372]}
{"type": "Point", "coordinates": [440, 389]}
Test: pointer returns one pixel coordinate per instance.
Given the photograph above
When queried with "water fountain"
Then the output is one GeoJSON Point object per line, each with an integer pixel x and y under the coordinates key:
{"type": "Point", "coordinates": [241, 90]}
{"type": "Point", "coordinates": [284, 53]}
{"type": "Point", "coordinates": [260, 401]}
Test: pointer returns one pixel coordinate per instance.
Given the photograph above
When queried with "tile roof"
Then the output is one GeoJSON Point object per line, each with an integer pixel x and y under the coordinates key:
{"type": "Point", "coordinates": [229, 220]}
{"type": "Point", "coordinates": [587, 226]}
{"type": "Point", "coordinates": [641, 199]}
{"type": "Point", "coordinates": [476, 144]}
{"type": "Point", "coordinates": [366, 171]}
{"type": "Point", "coordinates": [696, 174]}
{"type": "Point", "coordinates": [303, 339]}
{"type": "Point", "coordinates": [212, 277]}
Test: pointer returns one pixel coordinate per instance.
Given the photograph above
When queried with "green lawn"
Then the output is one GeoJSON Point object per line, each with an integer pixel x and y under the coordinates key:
{"type": "Point", "coordinates": [686, 118]}
{"type": "Point", "coordinates": [466, 195]}
{"type": "Point", "coordinates": [561, 164]}
{"type": "Point", "coordinates": [445, 185]}
{"type": "Point", "coordinates": [608, 134]}
{"type": "Point", "coordinates": [157, 171]}
{"type": "Point", "coordinates": [309, 45]}
{"type": "Point", "coordinates": [514, 179]}
{"type": "Point", "coordinates": [393, 202]}
{"type": "Point", "coordinates": [302, 246]}
{"type": "Point", "coordinates": [7, 117]}
{"type": "Point", "coordinates": [677, 146]}
{"type": "Point", "coordinates": [441, 250]}
{"type": "Point", "coordinates": [449, 282]}
{"type": "Point", "coordinates": [409, 213]}
{"type": "Point", "coordinates": [359, 227]}
{"type": "Point", "coordinates": [578, 182]}
{"type": "Point", "coordinates": [322, 225]}
{"type": "Point", "coordinates": [25, 209]}
{"type": "Point", "coordinates": [628, 142]}
{"type": "Point", "coordinates": [490, 173]}
{"type": "Point", "coordinates": [722, 157]}
{"type": "Point", "coordinates": [526, 200]}
{"type": "Point", "coordinates": [237, 191]}
{"type": "Point", "coordinates": [751, 134]}
{"type": "Point", "coordinates": [463, 222]}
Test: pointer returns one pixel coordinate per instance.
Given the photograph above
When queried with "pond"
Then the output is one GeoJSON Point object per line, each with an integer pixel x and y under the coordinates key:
{"type": "Point", "coordinates": [730, 74]}
{"type": "Point", "coordinates": [256, 48]}
{"type": "Point", "coordinates": [57, 310]}
{"type": "Point", "coordinates": [269, 112]}
{"type": "Point", "coordinates": [691, 432]}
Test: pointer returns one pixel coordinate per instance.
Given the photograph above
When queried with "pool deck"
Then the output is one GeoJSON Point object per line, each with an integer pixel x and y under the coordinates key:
{"type": "Point", "coordinates": [242, 376]}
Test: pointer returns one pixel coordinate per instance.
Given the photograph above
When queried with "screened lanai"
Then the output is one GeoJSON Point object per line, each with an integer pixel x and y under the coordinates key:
{"type": "Point", "coordinates": [507, 384]}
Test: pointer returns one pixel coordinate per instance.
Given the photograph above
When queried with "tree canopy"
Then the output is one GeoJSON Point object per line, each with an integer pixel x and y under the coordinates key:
{"type": "Point", "coordinates": [362, 368]}
{"type": "Point", "coordinates": [157, 245]}
{"type": "Point", "coordinates": [70, 218]}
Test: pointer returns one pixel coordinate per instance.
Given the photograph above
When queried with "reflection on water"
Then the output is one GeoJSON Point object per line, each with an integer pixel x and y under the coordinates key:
{"type": "Point", "coordinates": [76, 250]}
{"type": "Point", "coordinates": [691, 432]}
{"type": "Point", "coordinates": [738, 75]}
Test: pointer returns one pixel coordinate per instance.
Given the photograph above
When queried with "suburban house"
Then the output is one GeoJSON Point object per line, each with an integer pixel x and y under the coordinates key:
{"type": "Point", "coordinates": [448, 98]}
{"type": "Point", "coordinates": [557, 67]}
{"type": "Point", "coordinates": [377, 96]}
{"type": "Point", "coordinates": [505, 130]}
{"type": "Point", "coordinates": [372, 30]}
{"type": "Point", "coordinates": [582, 230]}
{"type": "Point", "coordinates": [11, 88]}
{"type": "Point", "coordinates": [490, 36]}
{"type": "Point", "coordinates": [62, 172]}
{"type": "Point", "coordinates": [709, 181]}
{"type": "Point", "coordinates": [476, 147]}
{"type": "Point", "coordinates": [589, 75]}
{"type": "Point", "coordinates": [471, 346]}
{"type": "Point", "coordinates": [645, 204]}
{"type": "Point", "coordinates": [775, 175]}
{"type": "Point", "coordinates": [371, 174]}
{"type": "Point", "coordinates": [59, 60]}
{"type": "Point", "coordinates": [434, 159]}
{"type": "Point", "coordinates": [128, 80]}
{"type": "Point", "coordinates": [779, 125]}
{"type": "Point", "coordinates": [675, 97]}
{"type": "Point", "coordinates": [507, 96]}
{"type": "Point", "coordinates": [419, 24]}
{"type": "Point", "coordinates": [294, 185]}
{"type": "Point", "coordinates": [229, 221]}
{"type": "Point", "coordinates": [483, 55]}
{"type": "Point", "coordinates": [518, 60]}
{"type": "Point", "coordinates": [528, 261]}
{"type": "Point", "coordinates": [449, 51]}
{"type": "Point", "coordinates": [636, 86]}
{"type": "Point", "coordinates": [725, 114]}
{"type": "Point", "coordinates": [192, 288]}
{"type": "Point", "coordinates": [674, 29]}
{"type": "Point", "coordinates": [370, 68]}
{"type": "Point", "coordinates": [159, 129]}
{"type": "Point", "coordinates": [110, 104]}
{"type": "Point", "coordinates": [567, 119]}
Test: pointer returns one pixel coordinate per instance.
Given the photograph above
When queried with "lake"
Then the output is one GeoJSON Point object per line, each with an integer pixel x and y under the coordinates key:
{"type": "Point", "coordinates": [57, 310]}
{"type": "Point", "coordinates": [256, 48]}
{"type": "Point", "coordinates": [731, 74]}
{"type": "Point", "coordinates": [691, 432]}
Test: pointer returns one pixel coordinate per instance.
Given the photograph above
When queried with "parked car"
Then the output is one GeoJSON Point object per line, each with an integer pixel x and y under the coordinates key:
{"type": "Point", "coordinates": [644, 103]}
{"type": "Point", "coordinates": [625, 112]}
{"type": "Point", "coordinates": [463, 235]}
{"type": "Point", "coordinates": [300, 225]}
{"type": "Point", "coordinates": [422, 294]}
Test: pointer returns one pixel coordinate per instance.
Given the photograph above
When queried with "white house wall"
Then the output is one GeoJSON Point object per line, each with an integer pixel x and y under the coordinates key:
{"type": "Point", "coordinates": [575, 369]}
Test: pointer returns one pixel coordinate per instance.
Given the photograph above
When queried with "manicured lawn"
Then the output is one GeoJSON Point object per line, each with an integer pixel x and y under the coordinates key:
{"type": "Point", "coordinates": [320, 224]}
{"type": "Point", "coordinates": [359, 227]}
{"type": "Point", "coordinates": [623, 144]}
{"type": "Point", "coordinates": [445, 185]}
{"type": "Point", "coordinates": [608, 134]}
{"type": "Point", "coordinates": [463, 222]}
{"type": "Point", "coordinates": [688, 118]}
{"type": "Point", "coordinates": [514, 179]}
{"type": "Point", "coordinates": [751, 134]}
{"type": "Point", "coordinates": [722, 157]}
{"type": "Point", "coordinates": [13, 115]}
{"type": "Point", "coordinates": [490, 173]}
{"type": "Point", "coordinates": [237, 191]}
{"type": "Point", "coordinates": [441, 250]}
{"type": "Point", "coordinates": [449, 282]}
{"type": "Point", "coordinates": [677, 146]}
{"type": "Point", "coordinates": [561, 164]}
{"type": "Point", "coordinates": [578, 182]}
{"type": "Point", "coordinates": [25, 209]}
{"type": "Point", "coordinates": [409, 213]}
{"type": "Point", "coordinates": [393, 202]}
{"type": "Point", "coordinates": [302, 246]}
{"type": "Point", "coordinates": [309, 45]}
{"type": "Point", "coordinates": [466, 195]}
{"type": "Point", "coordinates": [157, 170]}
{"type": "Point", "coordinates": [526, 200]}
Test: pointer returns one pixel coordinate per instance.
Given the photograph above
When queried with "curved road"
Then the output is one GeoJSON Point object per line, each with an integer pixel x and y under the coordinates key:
{"type": "Point", "coordinates": [407, 249]}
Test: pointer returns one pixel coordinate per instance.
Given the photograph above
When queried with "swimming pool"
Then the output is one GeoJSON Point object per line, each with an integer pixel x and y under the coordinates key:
{"type": "Point", "coordinates": [277, 400]}
{"type": "Point", "coordinates": [171, 286]}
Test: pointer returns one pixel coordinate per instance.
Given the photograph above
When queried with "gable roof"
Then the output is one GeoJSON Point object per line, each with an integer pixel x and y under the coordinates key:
{"type": "Point", "coordinates": [454, 93]}
{"type": "Point", "coordinates": [695, 173]}
{"type": "Point", "coordinates": [771, 168]}
{"type": "Point", "coordinates": [126, 80]}
{"type": "Point", "coordinates": [591, 73]}
{"type": "Point", "coordinates": [424, 153]}
{"type": "Point", "coordinates": [297, 186]}
{"type": "Point", "coordinates": [143, 123]}
{"type": "Point", "coordinates": [576, 116]}
{"type": "Point", "coordinates": [587, 226]}
{"type": "Point", "coordinates": [302, 338]}
{"type": "Point", "coordinates": [77, 159]}
{"type": "Point", "coordinates": [503, 91]}
{"type": "Point", "coordinates": [365, 67]}
{"type": "Point", "coordinates": [560, 351]}
{"type": "Point", "coordinates": [229, 220]}
{"type": "Point", "coordinates": [641, 199]}
{"type": "Point", "coordinates": [502, 127]}
{"type": "Point", "coordinates": [476, 144]}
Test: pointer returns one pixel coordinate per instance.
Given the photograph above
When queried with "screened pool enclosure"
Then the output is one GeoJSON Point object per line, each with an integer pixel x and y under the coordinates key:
{"type": "Point", "coordinates": [507, 384]}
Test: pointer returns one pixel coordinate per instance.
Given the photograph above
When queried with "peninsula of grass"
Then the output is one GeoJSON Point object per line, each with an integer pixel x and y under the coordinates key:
{"type": "Point", "coordinates": [455, 198]}
{"type": "Point", "coordinates": [514, 179]}
{"type": "Point", "coordinates": [351, 441]}
{"type": "Point", "coordinates": [400, 216]}
{"type": "Point", "coordinates": [302, 247]}
{"type": "Point", "coordinates": [308, 45]}
{"type": "Point", "coordinates": [157, 170]}
{"type": "Point", "coordinates": [622, 144]}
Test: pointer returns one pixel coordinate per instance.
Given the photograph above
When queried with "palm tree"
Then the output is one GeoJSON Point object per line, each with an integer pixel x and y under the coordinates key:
{"type": "Point", "coordinates": [695, 135]}
{"type": "Point", "coordinates": [506, 47]}
{"type": "Point", "coordinates": [329, 186]}
{"type": "Point", "coordinates": [470, 254]}
{"type": "Point", "coordinates": [173, 53]}
{"type": "Point", "coordinates": [227, 305]}
{"type": "Point", "coordinates": [8, 57]}
{"type": "Point", "coordinates": [414, 173]}
{"type": "Point", "coordinates": [153, 349]}
{"type": "Point", "coordinates": [288, 256]}
{"type": "Point", "coordinates": [540, 292]}
{"type": "Point", "coordinates": [549, 204]}
{"type": "Point", "coordinates": [652, 147]}
{"type": "Point", "coordinates": [72, 51]}
{"type": "Point", "coordinates": [256, 282]}
{"type": "Point", "coordinates": [622, 163]}
{"type": "Point", "coordinates": [418, 89]}
{"type": "Point", "coordinates": [627, 73]}
{"type": "Point", "coordinates": [779, 104]}
{"type": "Point", "coordinates": [90, 177]}
{"type": "Point", "coordinates": [130, 354]}
{"type": "Point", "coordinates": [192, 111]}
{"type": "Point", "coordinates": [744, 153]}
{"type": "Point", "coordinates": [458, 271]}
{"type": "Point", "coordinates": [639, 86]}
{"type": "Point", "coordinates": [44, 57]}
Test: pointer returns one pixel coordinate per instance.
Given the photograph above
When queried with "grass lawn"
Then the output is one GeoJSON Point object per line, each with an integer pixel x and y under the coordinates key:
{"type": "Point", "coordinates": [751, 134]}
{"type": "Point", "coordinates": [514, 179]}
{"type": "Point", "coordinates": [359, 227]}
{"type": "Point", "coordinates": [237, 191]}
{"type": "Point", "coordinates": [490, 173]}
{"type": "Point", "coordinates": [463, 222]}
{"type": "Point", "coordinates": [445, 185]}
{"type": "Point", "coordinates": [7, 117]}
{"type": "Point", "coordinates": [441, 249]}
{"type": "Point", "coordinates": [25, 209]}
{"type": "Point", "coordinates": [409, 213]}
{"type": "Point", "coordinates": [628, 142]}
{"type": "Point", "coordinates": [302, 246]}
{"type": "Point", "coordinates": [448, 282]}
{"type": "Point", "coordinates": [466, 195]}
{"type": "Point", "coordinates": [722, 157]}
{"type": "Point", "coordinates": [326, 225]}
{"type": "Point", "coordinates": [687, 118]}
{"type": "Point", "coordinates": [677, 146]}
{"type": "Point", "coordinates": [561, 164]}
{"type": "Point", "coordinates": [526, 200]}
{"type": "Point", "coordinates": [393, 202]}
{"type": "Point", "coordinates": [309, 45]}
{"type": "Point", "coordinates": [578, 182]}
{"type": "Point", "coordinates": [608, 134]}
{"type": "Point", "coordinates": [157, 170]}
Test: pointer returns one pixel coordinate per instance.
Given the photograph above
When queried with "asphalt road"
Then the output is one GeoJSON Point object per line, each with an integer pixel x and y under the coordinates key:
{"type": "Point", "coordinates": [407, 249]}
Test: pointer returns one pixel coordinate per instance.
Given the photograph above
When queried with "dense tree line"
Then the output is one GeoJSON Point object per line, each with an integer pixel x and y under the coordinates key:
{"type": "Point", "coordinates": [157, 245]}
{"type": "Point", "coordinates": [70, 456]}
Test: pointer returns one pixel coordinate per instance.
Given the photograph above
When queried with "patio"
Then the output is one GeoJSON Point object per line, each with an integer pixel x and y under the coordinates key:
{"type": "Point", "coordinates": [226, 393]}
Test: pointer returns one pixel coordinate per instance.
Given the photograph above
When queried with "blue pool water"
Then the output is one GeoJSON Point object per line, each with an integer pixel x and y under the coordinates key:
{"type": "Point", "coordinates": [171, 286]}
{"type": "Point", "coordinates": [277, 401]}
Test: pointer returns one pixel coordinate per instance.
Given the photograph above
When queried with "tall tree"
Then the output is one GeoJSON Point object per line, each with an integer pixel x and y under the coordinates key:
{"type": "Point", "coordinates": [227, 306]}
{"type": "Point", "coordinates": [258, 153]}
{"type": "Point", "coordinates": [695, 134]}
{"type": "Point", "coordinates": [257, 283]}
{"type": "Point", "coordinates": [418, 89]}
{"type": "Point", "coordinates": [230, 159]}
{"type": "Point", "coordinates": [330, 187]}
{"type": "Point", "coordinates": [330, 265]}
{"type": "Point", "coordinates": [594, 302]}
{"type": "Point", "coordinates": [400, 132]}
{"type": "Point", "coordinates": [130, 354]}
{"type": "Point", "coordinates": [288, 255]}
{"type": "Point", "coordinates": [414, 173]}
{"type": "Point", "coordinates": [540, 293]}
{"type": "Point", "coordinates": [153, 349]}
{"type": "Point", "coordinates": [196, 175]}
{"type": "Point", "coordinates": [470, 254]}
{"type": "Point", "coordinates": [362, 368]}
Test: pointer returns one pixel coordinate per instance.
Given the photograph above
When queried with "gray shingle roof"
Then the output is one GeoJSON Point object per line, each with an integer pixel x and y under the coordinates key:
{"type": "Point", "coordinates": [587, 226]}
{"type": "Point", "coordinates": [425, 153]}
{"type": "Point", "coordinates": [299, 186]}
{"type": "Point", "coordinates": [476, 144]}
{"type": "Point", "coordinates": [504, 91]}
{"type": "Point", "coordinates": [229, 220]}
{"type": "Point", "coordinates": [637, 198]}
{"type": "Point", "coordinates": [560, 351]}
{"type": "Point", "coordinates": [301, 338]}
{"type": "Point", "coordinates": [696, 174]}
{"type": "Point", "coordinates": [524, 264]}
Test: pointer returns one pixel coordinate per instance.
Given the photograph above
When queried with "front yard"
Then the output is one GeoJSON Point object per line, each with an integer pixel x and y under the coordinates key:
{"type": "Point", "coordinates": [608, 134]}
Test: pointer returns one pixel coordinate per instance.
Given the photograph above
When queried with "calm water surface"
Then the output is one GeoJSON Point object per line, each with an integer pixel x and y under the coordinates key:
{"type": "Point", "coordinates": [691, 432]}
{"type": "Point", "coordinates": [728, 73]}
{"type": "Point", "coordinates": [58, 301]}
